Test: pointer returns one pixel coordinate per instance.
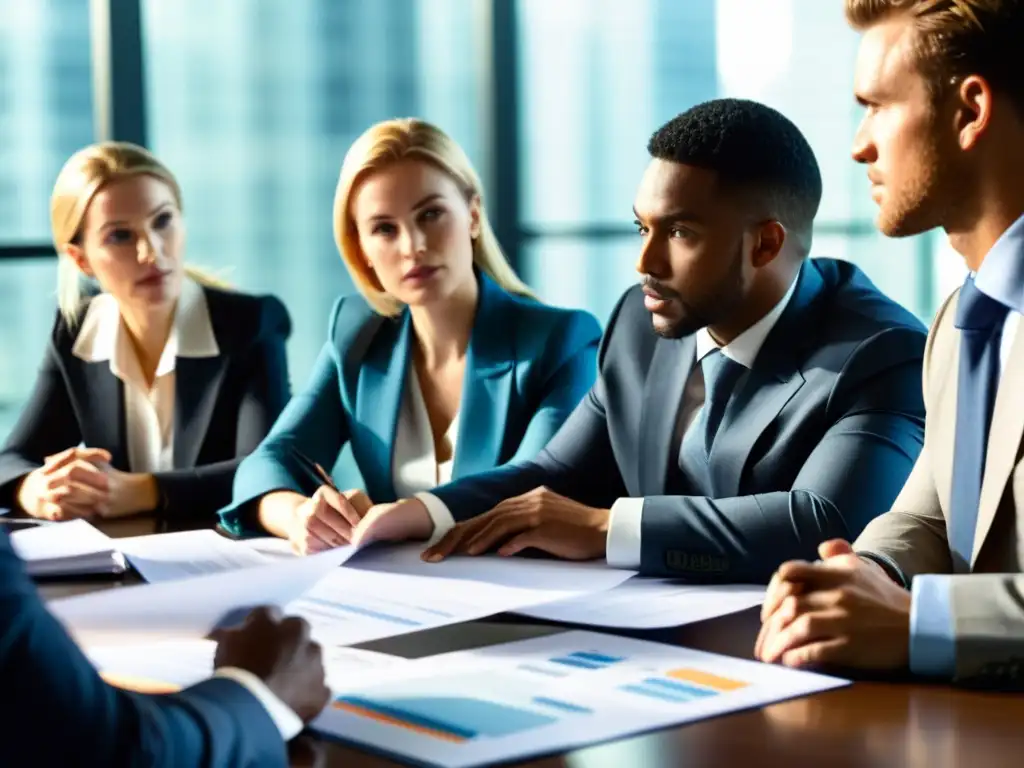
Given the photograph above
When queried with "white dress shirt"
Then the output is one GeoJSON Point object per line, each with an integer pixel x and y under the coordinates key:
{"type": "Point", "coordinates": [415, 467]}
{"type": "Point", "coordinates": [148, 410]}
{"type": "Point", "coordinates": [149, 416]}
{"type": "Point", "coordinates": [623, 542]}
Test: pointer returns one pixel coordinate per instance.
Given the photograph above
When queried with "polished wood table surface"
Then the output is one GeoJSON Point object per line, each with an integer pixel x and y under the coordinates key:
{"type": "Point", "coordinates": [867, 725]}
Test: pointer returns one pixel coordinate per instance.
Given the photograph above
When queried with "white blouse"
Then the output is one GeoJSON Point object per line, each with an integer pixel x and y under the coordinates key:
{"type": "Point", "coordinates": [148, 410]}
{"type": "Point", "coordinates": [414, 466]}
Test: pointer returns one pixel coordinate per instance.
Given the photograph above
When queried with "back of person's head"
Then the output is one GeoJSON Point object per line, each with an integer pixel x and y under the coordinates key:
{"type": "Point", "coordinates": [84, 174]}
{"type": "Point", "coordinates": [958, 38]}
{"type": "Point", "coordinates": [757, 154]}
{"type": "Point", "coordinates": [390, 142]}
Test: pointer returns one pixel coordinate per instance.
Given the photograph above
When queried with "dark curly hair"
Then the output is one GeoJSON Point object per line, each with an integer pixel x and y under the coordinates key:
{"type": "Point", "coordinates": [754, 150]}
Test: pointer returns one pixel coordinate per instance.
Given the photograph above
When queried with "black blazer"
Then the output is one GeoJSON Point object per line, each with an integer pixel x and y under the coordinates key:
{"type": "Point", "coordinates": [224, 406]}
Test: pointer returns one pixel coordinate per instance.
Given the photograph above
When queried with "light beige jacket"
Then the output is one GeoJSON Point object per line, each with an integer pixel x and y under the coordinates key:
{"type": "Point", "coordinates": [988, 602]}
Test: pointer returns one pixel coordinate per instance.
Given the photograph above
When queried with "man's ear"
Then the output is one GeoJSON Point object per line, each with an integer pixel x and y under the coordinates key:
{"type": "Point", "coordinates": [768, 241]}
{"type": "Point", "coordinates": [77, 254]}
{"type": "Point", "coordinates": [974, 113]}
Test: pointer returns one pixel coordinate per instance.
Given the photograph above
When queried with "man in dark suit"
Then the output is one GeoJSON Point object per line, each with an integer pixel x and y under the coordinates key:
{"type": "Point", "coordinates": [58, 711]}
{"type": "Point", "coordinates": [777, 403]}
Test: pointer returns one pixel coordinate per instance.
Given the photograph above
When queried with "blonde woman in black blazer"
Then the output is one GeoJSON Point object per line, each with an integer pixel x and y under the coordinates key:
{"type": "Point", "coordinates": [152, 390]}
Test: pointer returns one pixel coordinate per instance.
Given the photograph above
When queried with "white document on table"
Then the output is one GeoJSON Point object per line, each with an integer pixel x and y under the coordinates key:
{"type": "Point", "coordinates": [540, 574]}
{"type": "Point", "coordinates": [651, 604]}
{"type": "Point", "coordinates": [355, 604]}
{"type": "Point", "coordinates": [71, 548]}
{"type": "Point", "coordinates": [182, 555]}
{"type": "Point", "coordinates": [177, 664]}
{"type": "Point", "coordinates": [550, 694]}
{"type": "Point", "coordinates": [190, 607]}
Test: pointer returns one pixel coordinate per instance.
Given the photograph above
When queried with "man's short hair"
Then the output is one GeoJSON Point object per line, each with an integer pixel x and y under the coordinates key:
{"type": "Point", "coordinates": [755, 151]}
{"type": "Point", "coordinates": [957, 38]}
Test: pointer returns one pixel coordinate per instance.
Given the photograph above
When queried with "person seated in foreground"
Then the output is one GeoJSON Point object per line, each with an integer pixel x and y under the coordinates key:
{"type": "Point", "coordinates": [58, 710]}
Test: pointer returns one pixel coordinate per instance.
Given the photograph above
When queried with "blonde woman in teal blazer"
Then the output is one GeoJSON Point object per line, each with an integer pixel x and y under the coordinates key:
{"type": "Point", "coordinates": [444, 367]}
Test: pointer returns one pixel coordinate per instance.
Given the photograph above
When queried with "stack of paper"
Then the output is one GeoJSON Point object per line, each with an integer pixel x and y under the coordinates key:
{"type": "Point", "coordinates": [74, 548]}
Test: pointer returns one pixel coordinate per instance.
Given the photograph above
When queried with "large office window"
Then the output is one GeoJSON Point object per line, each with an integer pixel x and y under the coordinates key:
{"type": "Point", "coordinates": [253, 106]}
{"type": "Point", "coordinates": [626, 68]}
{"type": "Point", "coordinates": [45, 114]}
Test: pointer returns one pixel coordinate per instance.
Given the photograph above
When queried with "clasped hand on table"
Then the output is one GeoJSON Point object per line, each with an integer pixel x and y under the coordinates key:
{"type": "Point", "coordinates": [81, 483]}
{"type": "Point", "coordinates": [841, 611]}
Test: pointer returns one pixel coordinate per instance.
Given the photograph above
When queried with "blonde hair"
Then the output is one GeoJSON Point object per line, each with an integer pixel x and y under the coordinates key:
{"type": "Point", "coordinates": [84, 174]}
{"type": "Point", "coordinates": [956, 38]}
{"type": "Point", "coordinates": [386, 143]}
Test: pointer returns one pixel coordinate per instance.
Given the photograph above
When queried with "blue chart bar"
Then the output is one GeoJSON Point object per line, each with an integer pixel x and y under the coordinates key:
{"type": "Point", "coordinates": [563, 706]}
{"type": "Point", "coordinates": [452, 717]}
{"type": "Point", "coordinates": [360, 611]}
{"type": "Point", "coordinates": [543, 671]}
{"type": "Point", "coordinates": [587, 660]}
{"type": "Point", "coordinates": [667, 690]}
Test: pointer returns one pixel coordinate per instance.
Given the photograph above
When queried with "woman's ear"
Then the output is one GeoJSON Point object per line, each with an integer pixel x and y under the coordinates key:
{"type": "Point", "coordinates": [475, 217]}
{"type": "Point", "coordinates": [77, 254]}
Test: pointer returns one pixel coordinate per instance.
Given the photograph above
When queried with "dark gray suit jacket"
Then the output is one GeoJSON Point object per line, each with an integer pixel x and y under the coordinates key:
{"type": "Point", "coordinates": [816, 441]}
{"type": "Point", "coordinates": [224, 407]}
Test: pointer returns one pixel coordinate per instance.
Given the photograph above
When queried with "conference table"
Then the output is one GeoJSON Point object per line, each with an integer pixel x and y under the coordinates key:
{"type": "Point", "coordinates": [870, 724]}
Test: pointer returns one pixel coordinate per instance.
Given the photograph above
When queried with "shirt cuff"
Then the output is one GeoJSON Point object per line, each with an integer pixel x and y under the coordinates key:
{"type": "Point", "coordinates": [888, 565]}
{"type": "Point", "coordinates": [439, 514]}
{"type": "Point", "coordinates": [624, 529]}
{"type": "Point", "coordinates": [287, 722]}
{"type": "Point", "coordinates": [932, 641]}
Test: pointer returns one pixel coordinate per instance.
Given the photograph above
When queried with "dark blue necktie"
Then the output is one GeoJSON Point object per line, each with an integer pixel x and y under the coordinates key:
{"type": "Point", "coordinates": [720, 376]}
{"type": "Point", "coordinates": [980, 319]}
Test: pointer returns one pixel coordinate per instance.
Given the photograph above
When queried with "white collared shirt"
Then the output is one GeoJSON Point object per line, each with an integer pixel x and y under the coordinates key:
{"type": "Point", "coordinates": [414, 466]}
{"type": "Point", "coordinates": [148, 410]}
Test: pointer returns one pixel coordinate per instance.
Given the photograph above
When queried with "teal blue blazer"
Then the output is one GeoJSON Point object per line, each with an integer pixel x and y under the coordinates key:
{"type": "Point", "coordinates": [527, 367]}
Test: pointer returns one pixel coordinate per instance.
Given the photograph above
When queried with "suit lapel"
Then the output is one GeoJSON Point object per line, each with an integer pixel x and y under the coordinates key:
{"type": "Point", "coordinates": [1004, 441]}
{"type": "Point", "coordinates": [486, 386]}
{"type": "Point", "coordinates": [663, 397]}
{"type": "Point", "coordinates": [763, 391]}
{"type": "Point", "coordinates": [103, 423]}
{"type": "Point", "coordinates": [197, 383]}
{"type": "Point", "coordinates": [378, 401]}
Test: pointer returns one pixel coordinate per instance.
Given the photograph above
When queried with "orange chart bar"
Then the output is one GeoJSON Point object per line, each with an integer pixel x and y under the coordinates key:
{"type": "Point", "coordinates": [139, 684]}
{"type": "Point", "coordinates": [706, 679]}
{"type": "Point", "coordinates": [381, 718]}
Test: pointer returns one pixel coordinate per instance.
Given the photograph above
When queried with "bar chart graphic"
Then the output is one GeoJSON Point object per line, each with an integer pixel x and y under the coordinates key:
{"type": "Point", "coordinates": [563, 666]}
{"type": "Point", "coordinates": [461, 708]}
{"type": "Point", "coordinates": [683, 685]}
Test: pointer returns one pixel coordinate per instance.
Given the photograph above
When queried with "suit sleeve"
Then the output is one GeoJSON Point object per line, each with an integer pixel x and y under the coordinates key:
{"type": "Point", "coordinates": [201, 491]}
{"type": "Point", "coordinates": [47, 425]}
{"type": "Point", "coordinates": [573, 367]}
{"type": "Point", "coordinates": [911, 538]}
{"type": "Point", "coordinates": [57, 709]}
{"type": "Point", "coordinates": [876, 420]}
{"type": "Point", "coordinates": [577, 462]}
{"type": "Point", "coordinates": [314, 423]}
